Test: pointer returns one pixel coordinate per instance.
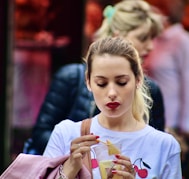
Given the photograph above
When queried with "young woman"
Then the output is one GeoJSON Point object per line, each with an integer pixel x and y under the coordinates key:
{"type": "Point", "coordinates": [115, 77]}
{"type": "Point", "coordinates": [133, 20]}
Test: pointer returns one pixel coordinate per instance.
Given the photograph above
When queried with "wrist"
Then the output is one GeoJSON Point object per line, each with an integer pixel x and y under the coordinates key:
{"type": "Point", "coordinates": [62, 175]}
{"type": "Point", "coordinates": [66, 174]}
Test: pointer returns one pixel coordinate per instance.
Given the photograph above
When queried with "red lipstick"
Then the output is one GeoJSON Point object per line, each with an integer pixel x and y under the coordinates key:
{"type": "Point", "coordinates": [112, 105]}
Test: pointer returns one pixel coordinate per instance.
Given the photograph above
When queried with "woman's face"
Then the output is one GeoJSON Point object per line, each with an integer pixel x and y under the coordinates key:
{"type": "Point", "coordinates": [141, 39]}
{"type": "Point", "coordinates": [113, 85]}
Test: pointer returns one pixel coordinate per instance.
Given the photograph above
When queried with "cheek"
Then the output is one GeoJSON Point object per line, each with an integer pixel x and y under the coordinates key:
{"type": "Point", "coordinates": [139, 47]}
{"type": "Point", "coordinates": [128, 94]}
{"type": "Point", "coordinates": [97, 92]}
{"type": "Point", "coordinates": [99, 98]}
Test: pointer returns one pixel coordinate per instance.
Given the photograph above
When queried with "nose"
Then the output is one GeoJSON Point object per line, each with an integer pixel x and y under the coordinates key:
{"type": "Point", "coordinates": [149, 45]}
{"type": "Point", "coordinates": [112, 93]}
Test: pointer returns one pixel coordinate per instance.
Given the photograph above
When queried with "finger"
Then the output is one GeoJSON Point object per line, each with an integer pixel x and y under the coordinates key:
{"type": "Point", "coordinates": [127, 165]}
{"type": "Point", "coordinates": [80, 153]}
{"type": "Point", "coordinates": [132, 171]}
{"type": "Point", "coordinates": [125, 161]}
{"type": "Point", "coordinates": [119, 156]}
{"type": "Point", "coordinates": [125, 174]}
{"type": "Point", "coordinates": [77, 155]}
{"type": "Point", "coordinates": [82, 150]}
{"type": "Point", "coordinates": [75, 145]}
{"type": "Point", "coordinates": [85, 146]}
{"type": "Point", "coordinates": [85, 138]}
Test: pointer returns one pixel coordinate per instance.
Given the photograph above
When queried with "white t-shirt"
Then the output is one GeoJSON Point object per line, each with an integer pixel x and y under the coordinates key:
{"type": "Point", "coordinates": [159, 150]}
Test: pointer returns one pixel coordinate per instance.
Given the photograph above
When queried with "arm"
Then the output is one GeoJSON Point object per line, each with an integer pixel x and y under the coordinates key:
{"type": "Point", "coordinates": [172, 168]}
{"type": "Point", "coordinates": [171, 159]}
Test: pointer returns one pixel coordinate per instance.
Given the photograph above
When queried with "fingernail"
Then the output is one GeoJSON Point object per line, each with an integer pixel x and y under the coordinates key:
{"type": "Point", "coordinates": [114, 171]}
{"type": "Point", "coordinates": [97, 137]}
{"type": "Point", "coordinates": [117, 156]}
{"type": "Point", "coordinates": [91, 133]}
{"type": "Point", "coordinates": [114, 161]}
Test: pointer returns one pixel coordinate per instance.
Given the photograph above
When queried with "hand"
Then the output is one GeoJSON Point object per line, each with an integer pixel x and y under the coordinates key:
{"type": "Point", "coordinates": [126, 171]}
{"type": "Point", "coordinates": [79, 147]}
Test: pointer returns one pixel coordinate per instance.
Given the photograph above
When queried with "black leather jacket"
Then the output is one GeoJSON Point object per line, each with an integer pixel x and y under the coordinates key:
{"type": "Point", "coordinates": [68, 97]}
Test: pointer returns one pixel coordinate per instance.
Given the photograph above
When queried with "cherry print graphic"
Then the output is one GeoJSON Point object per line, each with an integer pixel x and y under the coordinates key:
{"type": "Point", "coordinates": [136, 168]}
{"type": "Point", "coordinates": [94, 163]}
{"type": "Point", "coordinates": [142, 172]}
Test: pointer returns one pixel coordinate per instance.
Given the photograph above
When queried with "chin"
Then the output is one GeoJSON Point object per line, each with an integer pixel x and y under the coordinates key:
{"type": "Point", "coordinates": [112, 114]}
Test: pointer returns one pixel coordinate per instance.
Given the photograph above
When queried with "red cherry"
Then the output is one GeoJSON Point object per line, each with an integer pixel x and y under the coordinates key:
{"type": "Point", "coordinates": [143, 173]}
{"type": "Point", "coordinates": [136, 168]}
{"type": "Point", "coordinates": [94, 163]}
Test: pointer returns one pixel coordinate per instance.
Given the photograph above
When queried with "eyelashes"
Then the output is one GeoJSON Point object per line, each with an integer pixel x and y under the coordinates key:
{"type": "Point", "coordinates": [122, 84]}
{"type": "Point", "coordinates": [143, 38]}
{"type": "Point", "coordinates": [102, 85]}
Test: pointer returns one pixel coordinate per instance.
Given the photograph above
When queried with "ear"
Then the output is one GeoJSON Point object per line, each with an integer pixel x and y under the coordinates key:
{"type": "Point", "coordinates": [87, 82]}
{"type": "Point", "coordinates": [116, 33]}
{"type": "Point", "coordinates": [138, 84]}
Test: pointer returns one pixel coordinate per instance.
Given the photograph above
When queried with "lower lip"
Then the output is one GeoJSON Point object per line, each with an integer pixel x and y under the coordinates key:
{"type": "Point", "coordinates": [112, 106]}
{"type": "Point", "coordinates": [144, 57]}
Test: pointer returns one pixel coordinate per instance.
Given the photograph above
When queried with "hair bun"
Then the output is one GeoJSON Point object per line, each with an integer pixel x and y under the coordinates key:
{"type": "Point", "coordinates": [109, 11]}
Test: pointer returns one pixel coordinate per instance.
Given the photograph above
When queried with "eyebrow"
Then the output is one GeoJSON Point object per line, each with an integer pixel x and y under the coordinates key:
{"type": "Point", "coordinates": [117, 77]}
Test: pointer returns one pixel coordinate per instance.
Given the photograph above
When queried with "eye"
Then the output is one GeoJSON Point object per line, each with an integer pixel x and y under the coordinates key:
{"type": "Point", "coordinates": [101, 84]}
{"type": "Point", "coordinates": [143, 38]}
{"type": "Point", "coordinates": [121, 83]}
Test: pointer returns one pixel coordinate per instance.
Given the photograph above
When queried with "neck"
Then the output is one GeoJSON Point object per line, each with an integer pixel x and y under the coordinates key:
{"type": "Point", "coordinates": [126, 124]}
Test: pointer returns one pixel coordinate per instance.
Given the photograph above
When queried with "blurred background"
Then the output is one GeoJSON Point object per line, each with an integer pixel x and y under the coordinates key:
{"type": "Point", "coordinates": [36, 38]}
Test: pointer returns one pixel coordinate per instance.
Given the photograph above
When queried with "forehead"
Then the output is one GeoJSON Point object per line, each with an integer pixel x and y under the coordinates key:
{"type": "Point", "coordinates": [143, 29]}
{"type": "Point", "coordinates": [110, 64]}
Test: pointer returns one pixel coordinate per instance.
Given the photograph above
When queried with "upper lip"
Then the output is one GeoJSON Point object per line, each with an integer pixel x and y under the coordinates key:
{"type": "Point", "coordinates": [113, 104]}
